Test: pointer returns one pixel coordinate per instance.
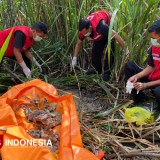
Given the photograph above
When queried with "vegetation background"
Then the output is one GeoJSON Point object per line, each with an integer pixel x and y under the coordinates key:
{"type": "Point", "coordinates": [130, 19]}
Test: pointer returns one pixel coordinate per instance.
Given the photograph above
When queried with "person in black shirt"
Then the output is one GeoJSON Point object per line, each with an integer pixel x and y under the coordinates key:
{"type": "Point", "coordinates": [95, 27]}
{"type": "Point", "coordinates": [149, 77]}
{"type": "Point", "coordinates": [22, 39]}
{"type": "Point", "coordinates": [19, 40]}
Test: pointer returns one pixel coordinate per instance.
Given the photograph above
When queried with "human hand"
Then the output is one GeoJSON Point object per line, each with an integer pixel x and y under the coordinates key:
{"type": "Point", "coordinates": [27, 72]}
{"type": "Point", "coordinates": [140, 86]}
{"type": "Point", "coordinates": [37, 64]}
{"type": "Point", "coordinates": [74, 62]}
{"type": "Point", "coordinates": [133, 79]}
{"type": "Point", "coordinates": [25, 69]}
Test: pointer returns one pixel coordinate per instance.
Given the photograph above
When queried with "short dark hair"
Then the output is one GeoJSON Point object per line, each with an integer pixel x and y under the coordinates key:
{"type": "Point", "coordinates": [155, 27]}
{"type": "Point", "coordinates": [84, 24]}
{"type": "Point", "coordinates": [40, 27]}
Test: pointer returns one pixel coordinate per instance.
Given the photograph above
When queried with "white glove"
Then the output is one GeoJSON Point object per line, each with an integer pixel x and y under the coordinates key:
{"type": "Point", "coordinates": [37, 64]}
{"type": "Point", "coordinates": [129, 87]}
{"type": "Point", "coordinates": [74, 61]}
{"type": "Point", "coordinates": [25, 69]}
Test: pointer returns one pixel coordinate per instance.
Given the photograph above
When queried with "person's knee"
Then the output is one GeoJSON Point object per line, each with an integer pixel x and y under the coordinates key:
{"type": "Point", "coordinates": [127, 67]}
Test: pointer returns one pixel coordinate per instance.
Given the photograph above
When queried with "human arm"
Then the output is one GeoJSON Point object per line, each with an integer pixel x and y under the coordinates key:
{"type": "Point", "coordinates": [19, 40]}
{"type": "Point", "coordinates": [18, 54]}
{"type": "Point", "coordinates": [28, 54]}
{"type": "Point", "coordinates": [76, 52]}
{"type": "Point", "coordinates": [142, 86]}
{"type": "Point", "coordinates": [21, 62]}
{"type": "Point", "coordinates": [141, 74]}
{"type": "Point", "coordinates": [77, 48]}
{"type": "Point", "coordinates": [118, 38]}
{"type": "Point", "coordinates": [18, 43]}
{"type": "Point", "coordinates": [146, 71]}
{"type": "Point", "coordinates": [103, 29]}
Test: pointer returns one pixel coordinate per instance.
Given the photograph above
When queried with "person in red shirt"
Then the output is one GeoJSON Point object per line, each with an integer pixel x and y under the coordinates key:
{"type": "Point", "coordinates": [95, 27]}
{"type": "Point", "coordinates": [22, 39]}
{"type": "Point", "coordinates": [149, 77]}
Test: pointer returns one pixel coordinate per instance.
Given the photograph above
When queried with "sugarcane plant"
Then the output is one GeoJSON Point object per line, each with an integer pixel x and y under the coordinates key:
{"type": "Point", "coordinates": [130, 20]}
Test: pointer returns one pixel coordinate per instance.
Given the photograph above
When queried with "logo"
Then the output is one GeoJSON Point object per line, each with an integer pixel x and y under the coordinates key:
{"type": "Point", "coordinates": [26, 142]}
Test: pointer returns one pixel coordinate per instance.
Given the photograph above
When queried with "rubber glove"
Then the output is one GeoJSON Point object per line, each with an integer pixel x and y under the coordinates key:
{"type": "Point", "coordinates": [129, 87]}
{"type": "Point", "coordinates": [74, 62]}
{"type": "Point", "coordinates": [25, 69]}
{"type": "Point", "coordinates": [37, 64]}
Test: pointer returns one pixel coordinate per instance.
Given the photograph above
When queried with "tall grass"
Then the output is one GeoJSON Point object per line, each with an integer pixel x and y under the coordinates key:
{"type": "Point", "coordinates": [131, 22]}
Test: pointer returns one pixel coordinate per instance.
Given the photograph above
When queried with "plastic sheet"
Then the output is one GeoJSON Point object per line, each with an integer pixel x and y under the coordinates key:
{"type": "Point", "coordinates": [71, 147]}
{"type": "Point", "coordinates": [139, 115]}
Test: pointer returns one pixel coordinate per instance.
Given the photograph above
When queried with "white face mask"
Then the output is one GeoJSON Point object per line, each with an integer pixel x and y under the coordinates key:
{"type": "Point", "coordinates": [37, 38]}
{"type": "Point", "coordinates": [88, 34]}
{"type": "Point", "coordinates": [154, 42]}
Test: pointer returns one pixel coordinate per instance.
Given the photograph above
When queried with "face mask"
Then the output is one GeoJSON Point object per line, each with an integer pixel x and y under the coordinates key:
{"type": "Point", "coordinates": [154, 42]}
{"type": "Point", "coordinates": [88, 34]}
{"type": "Point", "coordinates": [37, 38]}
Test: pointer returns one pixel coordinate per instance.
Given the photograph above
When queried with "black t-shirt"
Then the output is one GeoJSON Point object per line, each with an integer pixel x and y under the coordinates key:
{"type": "Point", "coordinates": [150, 59]}
{"type": "Point", "coordinates": [19, 39]}
{"type": "Point", "coordinates": [102, 29]}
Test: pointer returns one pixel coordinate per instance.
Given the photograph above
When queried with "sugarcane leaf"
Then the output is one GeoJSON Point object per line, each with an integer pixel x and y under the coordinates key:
{"type": "Point", "coordinates": [5, 45]}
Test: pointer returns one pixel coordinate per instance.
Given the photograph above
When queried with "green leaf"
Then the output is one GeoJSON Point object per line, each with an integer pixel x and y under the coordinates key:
{"type": "Point", "coordinates": [5, 45]}
{"type": "Point", "coordinates": [110, 34]}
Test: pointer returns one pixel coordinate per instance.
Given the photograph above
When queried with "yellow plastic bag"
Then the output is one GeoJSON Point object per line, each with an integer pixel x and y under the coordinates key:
{"type": "Point", "coordinates": [139, 115]}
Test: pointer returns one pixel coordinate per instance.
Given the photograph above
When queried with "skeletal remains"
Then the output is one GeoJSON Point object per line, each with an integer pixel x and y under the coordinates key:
{"type": "Point", "coordinates": [45, 118]}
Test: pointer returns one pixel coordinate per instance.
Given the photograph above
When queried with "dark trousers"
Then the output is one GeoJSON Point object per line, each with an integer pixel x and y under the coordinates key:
{"type": "Point", "coordinates": [130, 69]}
{"type": "Point", "coordinates": [98, 52]}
